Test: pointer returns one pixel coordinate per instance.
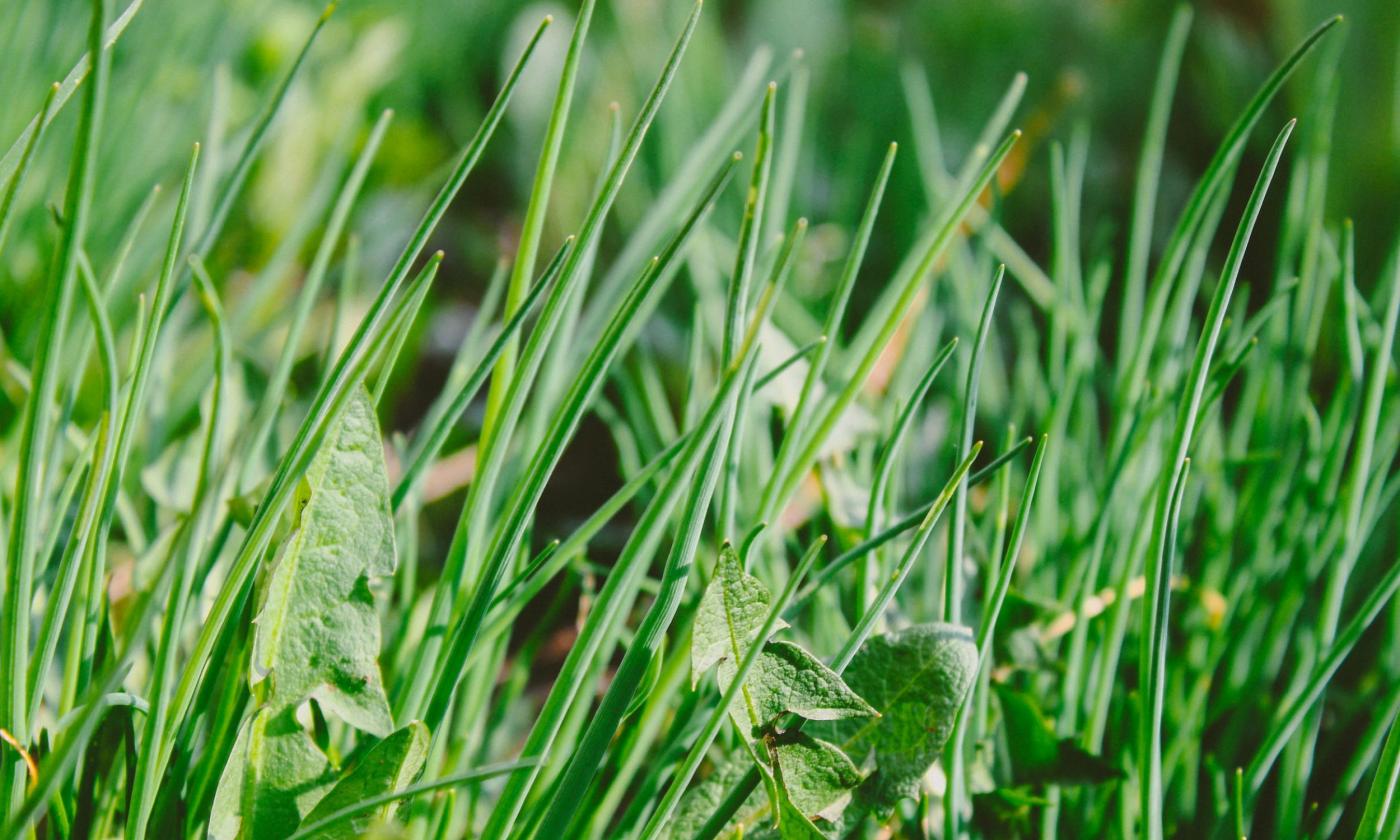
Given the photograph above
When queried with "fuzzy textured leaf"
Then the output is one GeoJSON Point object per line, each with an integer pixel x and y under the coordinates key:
{"type": "Point", "coordinates": [817, 776]}
{"type": "Point", "coordinates": [704, 799]}
{"type": "Point", "coordinates": [273, 777]}
{"type": "Point", "coordinates": [818, 779]}
{"type": "Point", "coordinates": [390, 766]}
{"type": "Point", "coordinates": [916, 678]}
{"type": "Point", "coordinates": [731, 611]}
{"type": "Point", "coordinates": [317, 631]}
{"type": "Point", "coordinates": [787, 678]}
{"type": "Point", "coordinates": [793, 823]}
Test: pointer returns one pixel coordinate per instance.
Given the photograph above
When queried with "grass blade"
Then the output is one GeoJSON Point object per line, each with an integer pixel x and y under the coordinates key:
{"type": "Point", "coordinates": [35, 428]}
{"type": "Point", "coordinates": [1157, 599]}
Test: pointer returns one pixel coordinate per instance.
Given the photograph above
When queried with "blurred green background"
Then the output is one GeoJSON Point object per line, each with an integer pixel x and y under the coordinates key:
{"type": "Point", "coordinates": [192, 70]}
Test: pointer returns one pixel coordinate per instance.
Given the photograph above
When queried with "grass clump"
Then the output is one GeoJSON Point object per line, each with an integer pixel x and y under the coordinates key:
{"type": "Point", "coordinates": [243, 597]}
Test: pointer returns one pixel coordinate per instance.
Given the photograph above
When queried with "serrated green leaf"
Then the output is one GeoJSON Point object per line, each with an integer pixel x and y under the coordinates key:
{"type": "Point", "coordinates": [916, 678]}
{"type": "Point", "coordinates": [274, 775]}
{"type": "Point", "coordinates": [390, 766]}
{"type": "Point", "coordinates": [731, 611]}
{"type": "Point", "coordinates": [317, 631]}
{"type": "Point", "coordinates": [787, 678]}
{"type": "Point", "coordinates": [1038, 756]}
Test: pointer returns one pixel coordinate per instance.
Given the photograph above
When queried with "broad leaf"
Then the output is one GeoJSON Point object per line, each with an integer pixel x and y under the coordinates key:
{"type": "Point", "coordinates": [814, 778]}
{"type": "Point", "coordinates": [392, 765]}
{"type": "Point", "coordinates": [817, 780]}
{"type": "Point", "coordinates": [317, 637]}
{"type": "Point", "coordinates": [793, 824]}
{"type": "Point", "coordinates": [1038, 755]}
{"type": "Point", "coordinates": [817, 776]}
{"type": "Point", "coordinates": [317, 631]}
{"type": "Point", "coordinates": [787, 678]}
{"type": "Point", "coordinates": [731, 611]}
{"type": "Point", "coordinates": [704, 799]}
{"type": "Point", "coordinates": [273, 777]}
{"type": "Point", "coordinates": [916, 678]}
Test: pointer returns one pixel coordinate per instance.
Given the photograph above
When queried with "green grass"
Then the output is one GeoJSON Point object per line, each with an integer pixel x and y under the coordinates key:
{"type": "Point", "coordinates": [849, 468]}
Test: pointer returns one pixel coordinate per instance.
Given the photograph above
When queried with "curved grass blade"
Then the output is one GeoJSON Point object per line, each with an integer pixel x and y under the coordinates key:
{"type": "Point", "coordinates": [333, 395]}
{"type": "Point", "coordinates": [787, 451]}
{"type": "Point", "coordinates": [12, 186]}
{"type": "Point", "coordinates": [884, 466]}
{"type": "Point", "coordinates": [76, 551]}
{"type": "Point", "coordinates": [908, 522]}
{"type": "Point", "coordinates": [786, 477]}
{"type": "Point", "coordinates": [257, 135]}
{"type": "Point", "coordinates": [708, 151]}
{"type": "Point", "coordinates": [952, 580]}
{"type": "Point", "coordinates": [1156, 601]}
{"type": "Point", "coordinates": [36, 430]}
{"type": "Point", "coordinates": [986, 630]}
{"type": "Point", "coordinates": [740, 279]}
{"type": "Point", "coordinates": [1380, 804]}
{"type": "Point", "coordinates": [434, 437]}
{"type": "Point", "coordinates": [1149, 170]}
{"type": "Point", "coordinates": [334, 819]}
{"type": "Point", "coordinates": [10, 163]}
{"type": "Point", "coordinates": [189, 539]}
{"type": "Point", "coordinates": [399, 329]}
{"type": "Point", "coordinates": [271, 400]}
{"type": "Point", "coordinates": [782, 367]}
{"type": "Point", "coordinates": [1216, 175]}
{"type": "Point", "coordinates": [747, 248]}
{"type": "Point", "coordinates": [585, 387]}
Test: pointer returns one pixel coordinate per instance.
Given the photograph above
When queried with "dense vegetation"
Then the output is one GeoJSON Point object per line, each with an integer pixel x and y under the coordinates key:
{"type": "Point", "coordinates": [760, 489]}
